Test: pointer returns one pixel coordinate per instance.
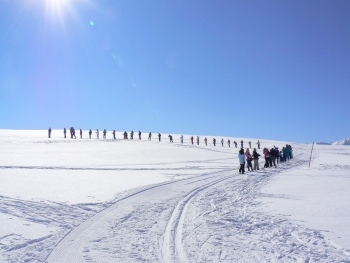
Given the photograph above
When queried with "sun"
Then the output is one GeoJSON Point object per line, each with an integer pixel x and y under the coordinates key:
{"type": "Point", "coordinates": [58, 8]}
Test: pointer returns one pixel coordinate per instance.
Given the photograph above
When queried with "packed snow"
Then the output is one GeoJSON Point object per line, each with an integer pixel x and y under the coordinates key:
{"type": "Point", "coordinates": [342, 142]}
{"type": "Point", "coordinates": [106, 200]}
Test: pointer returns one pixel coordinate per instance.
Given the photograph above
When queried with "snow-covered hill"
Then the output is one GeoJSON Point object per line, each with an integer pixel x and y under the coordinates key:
{"type": "Point", "coordinates": [106, 200]}
{"type": "Point", "coordinates": [342, 142]}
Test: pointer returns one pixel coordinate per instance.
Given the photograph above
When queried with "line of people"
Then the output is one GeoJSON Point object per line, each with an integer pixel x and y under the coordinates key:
{"type": "Point", "coordinates": [126, 137]}
{"type": "Point", "coordinates": [271, 156]}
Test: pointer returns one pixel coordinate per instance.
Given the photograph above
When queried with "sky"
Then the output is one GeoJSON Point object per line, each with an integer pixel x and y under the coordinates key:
{"type": "Point", "coordinates": [253, 69]}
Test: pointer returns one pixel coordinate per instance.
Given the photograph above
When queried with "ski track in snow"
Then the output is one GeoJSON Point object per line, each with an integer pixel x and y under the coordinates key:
{"type": "Point", "coordinates": [212, 217]}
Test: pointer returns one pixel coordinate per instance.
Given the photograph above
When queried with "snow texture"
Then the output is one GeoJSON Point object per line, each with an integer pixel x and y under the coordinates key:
{"type": "Point", "coordinates": [89, 200]}
{"type": "Point", "coordinates": [342, 142]}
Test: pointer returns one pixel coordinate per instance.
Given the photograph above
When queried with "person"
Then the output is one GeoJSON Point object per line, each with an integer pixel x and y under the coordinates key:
{"type": "Point", "coordinates": [222, 142]}
{"type": "Point", "coordinates": [182, 139]}
{"type": "Point", "coordinates": [113, 132]}
{"type": "Point", "coordinates": [267, 158]}
{"type": "Point", "coordinates": [131, 135]}
{"type": "Point", "coordinates": [249, 160]}
{"type": "Point", "coordinates": [241, 158]}
{"type": "Point", "coordinates": [290, 151]}
{"type": "Point", "coordinates": [228, 142]}
{"type": "Point", "coordinates": [125, 134]}
{"type": "Point", "coordinates": [191, 139]}
{"type": "Point", "coordinates": [250, 144]}
{"type": "Point", "coordinates": [272, 157]}
{"type": "Point", "coordinates": [277, 155]}
{"type": "Point", "coordinates": [90, 132]}
{"type": "Point", "coordinates": [97, 134]}
{"type": "Point", "coordinates": [73, 133]}
{"type": "Point", "coordinates": [159, 136]}
{"type": "Point", "coordinates": [242, 144]}
{"type": "Point", "coordinates": [64, 132]}
{"type": "Point", "coordinates": [150, 136]}
{"type": "Point", "coordinates": [139, 135]}
{"type": "Point", "coordinates": [258, 144]}
{"type": "Point", "coordinates": [197, 140]}
{"type": "Point", "coordinates": [235, 143]}
{"type": "Point", "coordinates": [170, 138]}
{"type": "Point", "coordinates": [287, 152]}
{"type": "Point", "coordinates": [256, 159]}
{"type": "Point", "coordinates": [81, 134]}
{"type": "Point", "coordinates": [214, 141]}
{"type": "Point", "coordinates": [284, 154]}
{"type": "Point", "coordinates": [104, 133]}
{"type": "Point", "coordinates": [49, 132]}
{"type": "Point", "coordinates": [206, 141]}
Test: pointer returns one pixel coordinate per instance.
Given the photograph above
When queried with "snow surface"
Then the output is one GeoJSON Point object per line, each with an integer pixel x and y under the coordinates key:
{"type": "Point", "coordinates": [67, 200]}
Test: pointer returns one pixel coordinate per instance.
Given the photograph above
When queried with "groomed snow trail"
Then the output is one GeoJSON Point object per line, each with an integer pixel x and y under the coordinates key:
{"type": "Point", "coordinates": [209, 218]}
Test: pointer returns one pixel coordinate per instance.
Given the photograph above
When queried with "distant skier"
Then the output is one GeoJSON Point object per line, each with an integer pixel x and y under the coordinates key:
{"type": "Point", "coordinates": [159, 137]}
{"type": "Point", "coordinates": [64, 132]}
{"type": "Point", "coordinates": [206, 141]}
{"type": "Point", "coordinates": [131, 135]}
{"type": "Point", "coordinates": [182, 139]}
{"type": "Point", "coordinates": [113, 134]}
{"type": "Point", "coordinates": [214, 141]}
{"type": "Point", "coordinates": [90, 132]}
{"type": "Point", "coordinates": [170, 138]}
{"type": "Point", "coordinates": [235, 143]}
{"type": "Point", "coordinates": [258, 144]}
{"type": "Point", "coordinates": [72, 133]}
{"type": "Point", "coordinates": [228, 142]}
{"type": "Point", "coordinates": [256, 159]}
{"type": "Point", "coordinates": [191, 139]}
{"type": "Point", "coordinates": [97, 134]}
{"type": "Point", "coordinates": [249, 160]}
{"type": "Point", "coordinates": [81, 134]}
{"type": "Point", "coordinates": [139, 135]}
{"type": "Point", "coordinates": [250, 145]}
{"type": "Point", "coordinates": [125, 134]}
{"type": "Point", "coordinates": [222, 142]}
{"type": "Point", "coordinates": [104, 133]}
{"type": "Point", "coordinates": [241, 158]}
{"type": "Point", "coordinates": [197, 140]}
{"type": "Point", "coordinates": [242, 144]}
{"type": "Point", "coordinates": [267, 158]}
{"type": "Point", "coordinates": [150, 136]}
{"type": "Point", "coordinates": [49, 131]}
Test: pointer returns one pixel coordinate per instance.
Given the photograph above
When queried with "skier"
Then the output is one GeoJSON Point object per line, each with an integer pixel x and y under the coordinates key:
{"type": "Point", "coordinates": [81, 134]}
{"type": "Point", "coordinates": [206, 141]}
{"type": "Point", "coordinates": [64, 132]}
{"type": "Point", "coordinates": [228, 142]}
{"type": "Point", "coordinates": [249, 160]}
{"type": "Point", "coordinates": [197, 140]}
{"type": "Point", "coordinates": [258, 144]}
{"type": "Point", "coordinates": [256, 159]}
{"type": "Point", "coordinates": [113, 134]}
{"type": "Point", "coordinates": [182, 139]}
{"type": "Point", "coordinates": [73, 133]}
{"type": "Point", "coordinates": [222, 142]}
{"type": "Point", "coordinates": [214, 141]}
{"type": "Point", "coordinates": [267, 158]}
{"type": "Point", "coordinates": [150, 136]}
{"type": "Point", "coordinates": [90, 132]}
{"type": "Point", "coordinates": [125, 134]}
{"type": "Point", "coordinates": [104, 133]}
{"type": "Point", "coordinates": [159, 137]}
{"type": "Point", "coordinates": [235, 143]}
{"type": "Point", "coordinates": [272, 157]}
{"type": "Point", "coordinates": [191, 139]}
{"type": "Point", "coordinates": [131, 135]}
{"type": "Point", "coordinates": [241, 158]}
{"type": "Point", "coordinates": [242, 144]}
{"type": "Point", "coordinates": [170, 138]}
{"type": "Point", "coordinates": [139, 135]}
{"type": "Point", "coordinates": [49, 132]}
{"type": "Point", "coordinates": [250, 145]}
{"type": "Point", "coordinates": [97, 134]}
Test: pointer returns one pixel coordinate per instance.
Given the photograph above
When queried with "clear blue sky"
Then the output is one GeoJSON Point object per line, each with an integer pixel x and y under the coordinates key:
{"type": "Point", "coordinates": [262, 69]}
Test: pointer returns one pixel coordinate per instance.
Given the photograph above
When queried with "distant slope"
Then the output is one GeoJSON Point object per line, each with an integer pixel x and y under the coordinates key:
{"type": "Point", "coordinates": [342, 142]}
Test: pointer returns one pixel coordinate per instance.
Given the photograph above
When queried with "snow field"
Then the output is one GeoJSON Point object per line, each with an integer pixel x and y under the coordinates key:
{"type": "Point", "coordinates": [84, 200]}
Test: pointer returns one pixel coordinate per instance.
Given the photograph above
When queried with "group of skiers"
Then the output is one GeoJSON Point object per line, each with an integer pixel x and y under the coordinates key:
{"type": "Point", "coordinates": [271, 156]}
